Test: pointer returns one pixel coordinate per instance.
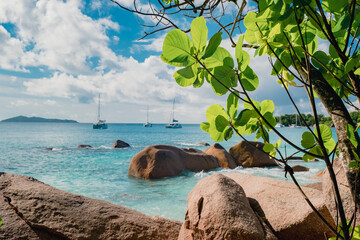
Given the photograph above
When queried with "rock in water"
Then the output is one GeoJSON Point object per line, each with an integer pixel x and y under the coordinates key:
{"type": "Point", "coordinates": [224, 158]}
{"type": "Point", "coordinates": [247, 155]}
{"type": "Point", "coordinates": [285, 207]}
{"type": "Point", "coordinates": [219, 209]}
{"type": "Point", "coordinates": [84, 146]}
{"type": "Point", "coordinates": [159, 161]}
{"type": "Point", "coordinates": [299, 168]}
{"type": "Point", "coordinates": [203, 144]}
{"type": "Point", "coordinates": [120, 144]}
{"type": "Point", "coordinates": [33, 210]}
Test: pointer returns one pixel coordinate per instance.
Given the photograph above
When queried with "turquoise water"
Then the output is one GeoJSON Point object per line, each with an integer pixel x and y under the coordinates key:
{"type": "Point", "coordinates": [101, 172]}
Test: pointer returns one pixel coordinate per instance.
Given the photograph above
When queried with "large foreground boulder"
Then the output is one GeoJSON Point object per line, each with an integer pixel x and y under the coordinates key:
{"type": "Point", "coordinates": [218, 209]}
{"type": "Point", "coordinates": [345, 192]}
{"type": "Point", "coordinates": [224, 158]}
{"type": "Point", "coordinates": [247, 154]}
{"type": "Point", "coordinates": [285, 207]}
{"type": "Point", "coordinates": [33, 210]}
{"type": "Point", "coordinates": [160, 161]}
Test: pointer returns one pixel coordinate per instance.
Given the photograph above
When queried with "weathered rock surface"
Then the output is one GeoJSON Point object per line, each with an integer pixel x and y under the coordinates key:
{"type": "Point", "coordinates": [192, 150]}
{"type": "Point", "coordinates": [218, 209]}
{"type": "Point", "coordinates": [315, 185]}
{"type": "Point", "coordinates": [299, 168]}
{"type": "Point", "coordinates": [160, 161]}
{"type": "Point", "coordinates": [319, 175]}
{"type": "Point", "coordinates": [33, 210]}
{"type": "Point", "coordinates": [224, 158]}
{"type": "Point", "coordinates": [285, 208]}
{"type": "Point", "coordinates": [247, 155]}
{"type": "Point", "coordinates": [120, 144]}
{"type": "Point", "coordinates": [345, 192]}
{"type": "Point", "coordinates": [84, 146]}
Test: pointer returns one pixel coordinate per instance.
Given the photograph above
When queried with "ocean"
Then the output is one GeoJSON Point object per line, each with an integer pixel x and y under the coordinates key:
{"type": "Point", "coordinates": [101, 172]}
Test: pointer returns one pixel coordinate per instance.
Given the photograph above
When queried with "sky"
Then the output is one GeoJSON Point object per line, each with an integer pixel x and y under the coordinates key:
{"type": "Point", "coordinates": [56, 56]}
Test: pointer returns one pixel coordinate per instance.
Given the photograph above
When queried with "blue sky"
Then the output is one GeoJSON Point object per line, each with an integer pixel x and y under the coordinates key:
{"type": "Point", "coordinates": [57, 56]}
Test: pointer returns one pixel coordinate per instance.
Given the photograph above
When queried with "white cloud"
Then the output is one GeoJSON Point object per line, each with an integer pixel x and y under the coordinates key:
{"type": "Point", "coordinates": [59, 36]}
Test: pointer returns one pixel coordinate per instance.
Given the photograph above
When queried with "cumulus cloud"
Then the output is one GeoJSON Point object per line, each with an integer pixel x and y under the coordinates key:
{"type": "Point", "coordinates": [59, 36]}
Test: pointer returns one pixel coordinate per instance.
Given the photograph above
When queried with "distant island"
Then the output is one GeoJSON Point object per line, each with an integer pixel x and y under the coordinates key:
{"type": "Point", "coordinates": [37, 119]}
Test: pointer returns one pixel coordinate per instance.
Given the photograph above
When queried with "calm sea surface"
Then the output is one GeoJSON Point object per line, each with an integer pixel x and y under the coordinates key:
{"type": "Point", "coordinates": [101, 172]}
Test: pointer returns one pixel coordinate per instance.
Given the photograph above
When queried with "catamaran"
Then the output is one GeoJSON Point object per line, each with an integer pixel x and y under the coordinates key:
{"type": "Point", "coordinates": [99, 124]}
{"type": "Point", "coordinates": [173, 122]}
{"type": "Point", "coordinates": [147, 124]}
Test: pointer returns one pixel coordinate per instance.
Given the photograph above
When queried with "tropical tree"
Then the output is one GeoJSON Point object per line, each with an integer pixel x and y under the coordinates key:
{"type": "Point", "coordinates": [288, 32]}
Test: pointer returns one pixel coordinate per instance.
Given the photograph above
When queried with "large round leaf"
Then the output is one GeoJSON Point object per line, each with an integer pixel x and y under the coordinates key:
{"type": "Point", "coordinates": [176, 48]}
{"type": "Point", "coordinates": [249, 80]}
{"type": "Point", "coordinates": [199, 33]}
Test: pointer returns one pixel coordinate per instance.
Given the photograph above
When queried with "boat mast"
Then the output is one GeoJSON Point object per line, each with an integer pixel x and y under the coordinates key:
{"type": "Point", "coordinates": [99, 108]}
{"type": "Point", "coordinates": [147, 115]}
{"type": "Point", "coordinates": [173, 111]}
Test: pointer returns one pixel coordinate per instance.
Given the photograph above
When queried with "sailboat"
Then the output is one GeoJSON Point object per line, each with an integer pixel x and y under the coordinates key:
{"type": "Point", "coordinates": [296, 124]}
{"type": "Point", "coordinates": [147, 124]}
{"type": "Point", "coordinates": [279, 125]}
{"type": "Point", "coordinates": [173, 123]}
{"type": "Point", "coordinates": [99, 124]}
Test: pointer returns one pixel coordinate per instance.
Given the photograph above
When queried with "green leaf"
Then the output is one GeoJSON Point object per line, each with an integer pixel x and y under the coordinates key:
{"type": "Point", "coordinates": [321, 57]}
{"type": "Point", "coordinates": [221, 123]}
{"type": "Point", "coordinates": [270, 119]}
{"type": "Point", "coordinates": [351, 135]}
{"type": "Point", "coordinates": [232, 105]}
{"type": "Point", "coordinates": [214, 43]}
{"type": "Point", "coordinates": [353, 164]}
{"type": "Point", "coordinates": [334, 6]}
{"type": "Point", "coordinates": [205, 126]}
{"type": "Point", "coordinates": [268, 147]}
{"type": "Point", "coordinates": [249, 79]}
{"type": "Point", "coordinates": [351, 64]}
{"type": "Point", "coordinates": [213, 111]}
{"type": "Point", "coordinates": [221, 57]}
{"type": "Point", "coordinates": [228, 133]}
{"type": "Point", "coordinates": [200, 78]}
{"type": "Point", "coordinates": [199, 33]}
{"type": "Point", "coordinates": [0, 222]}
{"type": "Point", "coordinates": [330, 145]}
{"type": "Point", "coordinates": [226, 76]}
{"type": "Point", "coordinates": [186, 76]}
{"type": "Point", "coordinates": [278, 143]}
{"type": "Point", "coordinates": [170, 63]}
{"type": "Point", "coordinates": [267, 106]}
{"type": "Point", "coordinates": [217, 118]}
{"type": "Point", "coordinates": [325, 132]}
{"type": "Point", "coordinates": [243, 117]}
{"type": "Point", "coordinates": [343, 22]}
{"type": "Point", "coordinates": [176, 48]}
{"type": "Point", "coordinates": [250, 21]}
{"type": "Point", "coordinates": [357, 72]}
{"type": "Point", "coordinates": [307, 140]}
{"type": "Point", "coordinates": [242, 57]}
{"type": "Point", "coordinates": [249, 106]}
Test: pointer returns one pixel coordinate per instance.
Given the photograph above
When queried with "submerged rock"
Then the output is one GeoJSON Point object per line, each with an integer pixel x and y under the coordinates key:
{"type": "Point", "coordinates": [248, 155]}
{"type": "Point", "coordinates": [203, 144]}
{"type": "Point", "coordinates": [33, 210]}
{"type": "Point", "coordinates": [224, 158]}
{"type": "Point", "coordinates": [159, 161]}
{"type": "Point", "coordinates": [299, 168]}
{"type": "Point", "coordinates": [120, 144]}
{"type": "Point", "coordinates": [84, 146]}
{"type": "Point", "coordinates": [218, 209]}
{"type": "Point", "coordinates": [285, 208]}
